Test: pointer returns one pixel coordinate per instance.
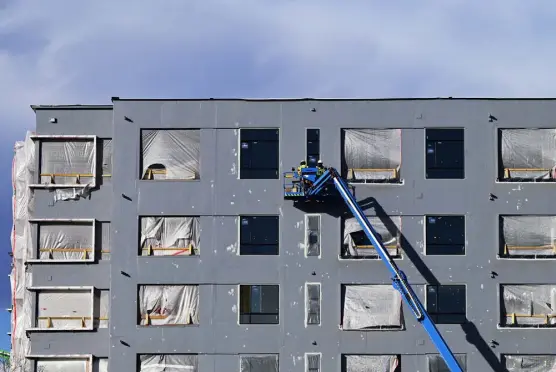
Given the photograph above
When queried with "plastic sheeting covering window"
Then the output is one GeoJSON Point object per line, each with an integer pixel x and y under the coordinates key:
{"type": "Point", "coordinates": [64, 310]}
{"type": "Point", "coordinates": [259, 363]}
{"type": "Point", "coordinates": [169, 304]}
{"type": "Point", "coordinates": [530, 363]}
{"type": "Point", "coordinates": [437, 364]}
{"type": "Point", "coordinates": [368, 307]}
{"type": "Point", "coordinates": [170, 154]}
{"type": "Point", "coordinates": [102, 365]}
{"type": "Point", "coordinates": [23, 174]}
{"type": "Point", "coordinates": [64, 161]}
{"type": "Point", "coordinates": [373, 154]}
{"type": "Point", "coordinates": [528, 153]}
{"type": "Point", "coordinates": [168, 363]}
{"type": "Point", "coordinates": [107, 157]}
{"type": "Point", "coordinates": [170, 236]}
{"type": "Point", "coordinates": [374, 363]}
{"type": "Point", "coordinates": [105, 246]}
{"type": "Point", "coordinates": [65, 241]}
{"type": "Point", "coordinates": [312, 363]}
{"type": "Point", "coordinates": [528, 305]}
{"type": "Point", "coordinates": [102, 309]}
{"type": "Point", "coordinates": [63, 365]}
{"type": "Point", "coordinates": [356, 244]}
{"type": "Point", "coordinates": [528, 236]}
{"type": "Point", "coordinates": [312, 234]}
{"type": "Point", "coordinates": [313, 303]}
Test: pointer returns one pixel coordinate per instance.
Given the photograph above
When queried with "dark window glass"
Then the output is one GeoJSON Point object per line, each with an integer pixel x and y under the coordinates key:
{"type": "Point", "coordinates": [445, 235]}
{"type": "Point", "coordinates": [446, 304]}
{"type": "Point", "coordinates": [445, 154]}
{"type": "Point", "coordinates": [259, 235]}
{"type": "Point", "coordinates": [313, 147]}
{"type": "Point", "coordinates": [259, 304]}
{"type": "Point", "coordinates": [259, 153]}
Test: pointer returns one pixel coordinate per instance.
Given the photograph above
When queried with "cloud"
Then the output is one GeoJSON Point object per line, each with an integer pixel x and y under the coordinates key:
{"type": "Point", "coordinates": [64, 52]}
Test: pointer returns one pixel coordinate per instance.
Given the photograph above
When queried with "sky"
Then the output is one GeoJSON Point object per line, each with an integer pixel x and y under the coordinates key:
{"type": "Point", "coordinates": [69, 52]}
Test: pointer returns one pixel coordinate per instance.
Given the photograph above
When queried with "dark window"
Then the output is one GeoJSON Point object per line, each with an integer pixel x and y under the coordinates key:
{"type": "Point", "coordinates": [446, 303]}
{"type": "Point", "coordinates": [259, 154]}
{"type": "Point", "coordinates": [313, 303]}
{"type": "Point", "coordinates": [437, 363]}
{"type": "Point", "coordinates": [258, 235]}
{"type": "Point", "coordinates": [313, 147]}
{"type": "Point", "coordinates": [445, 154]}
{"type": "Point", "coordinates": [259, 304]}
{"type": "Point", "coordinates": [313, 363]}
{"type": "Point", "coordinates": [445, 235]}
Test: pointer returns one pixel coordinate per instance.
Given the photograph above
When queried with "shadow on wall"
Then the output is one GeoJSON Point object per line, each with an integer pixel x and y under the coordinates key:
{"type": "Point", "coordinates": [337, 208]}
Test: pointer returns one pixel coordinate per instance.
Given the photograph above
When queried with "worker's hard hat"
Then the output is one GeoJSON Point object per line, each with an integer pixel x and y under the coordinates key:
{"type": "Point", "coordinates": [302, 162]}
{"type": "Point", "coordinates": [319, 162]}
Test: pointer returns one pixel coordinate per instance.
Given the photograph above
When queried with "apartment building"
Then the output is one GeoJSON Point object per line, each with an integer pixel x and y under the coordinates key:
{"type": "Point", "coordinates": [153, 234]}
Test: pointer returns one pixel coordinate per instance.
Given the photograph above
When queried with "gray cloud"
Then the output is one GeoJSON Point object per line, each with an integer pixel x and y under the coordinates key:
{"type": "Point", "coordinates": [54, 52]}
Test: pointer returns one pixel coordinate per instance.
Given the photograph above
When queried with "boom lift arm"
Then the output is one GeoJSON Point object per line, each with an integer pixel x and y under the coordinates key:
{"type": "Point", "coordinates": [309, 185]}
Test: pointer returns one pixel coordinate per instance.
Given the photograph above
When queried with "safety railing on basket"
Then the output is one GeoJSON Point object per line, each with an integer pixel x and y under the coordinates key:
{"type": "Point", "coordinates": [514, 317]}
{"type": "Point", "coordinates": [352, 172]}
{"type": "Point", "coordinates": [508, 171]}
{"type": "Point", "coordinates": [83, 319]}
{"type": "Point", "coordinates": [507, 248]}
{"type": "Point", "coordinates": [149, 250]}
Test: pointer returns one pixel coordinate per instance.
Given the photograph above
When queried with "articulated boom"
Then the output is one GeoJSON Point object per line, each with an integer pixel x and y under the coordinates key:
{"type": "Point", "coordinates": [307, 185]}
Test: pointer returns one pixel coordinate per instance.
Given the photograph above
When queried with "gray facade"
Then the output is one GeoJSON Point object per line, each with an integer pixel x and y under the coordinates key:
{"type": "Point", "coordinates": [219, 197]}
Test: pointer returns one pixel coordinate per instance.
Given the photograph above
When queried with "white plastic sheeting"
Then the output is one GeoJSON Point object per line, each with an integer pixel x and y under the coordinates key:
{"type": "Point", "coordinates": [168, 363]}
{"type": "Point", "coordinates": [23, 175]}
{"type": "Point", "coordinates": [169, 304]}
{"type": "Point", "coordinates": [531, 149]}
{"type": "Point", "coordinates": [66, 241]}
{"type": "Point", "coordinates": [313, 303]}
{"type": "Point", "coordinates": [102, 310]}
{"type": "Point", "coordinates": [177, 151]}
{"type": "Point", "coordinates": [390, 241]}
{"type": "Point", "coordinates": [161, 233]}
{"type": "Point", "coordinates": [107, 150]}
{"type": "Point", "coordinates": [312, 234]}
{"type": "Point", "coordinates": [63, 365]}
{"type": "Point", "coordinates": [64, 310]}
{"type": "Point", "coordinates": [259, 363]}
{"type": "Point", "coordinates": [373, 154]}
{"type": "Point", "coordinates": [65, 159]}
{"type": "Point", "coordinates": [437, 364]}
{"type": "Point", "coordinates": [529, 235]}
{"type": "Point", "coordinates": [371, 307]}
{"type": "Point", "coordinates": [312, 363]}
{"type": "Point", "coordinates": [371, 363]}
{"type": "Point", "coordinates": [530, 363]}
{"type": "Point", "coordinates": [530, 304]}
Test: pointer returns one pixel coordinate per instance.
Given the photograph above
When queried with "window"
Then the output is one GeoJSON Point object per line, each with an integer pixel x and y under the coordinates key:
{"type": "Point", "coordinates": [312, 303]}
{"type": "Point", "coordinates": [445, 235]}
{"type": "Point", "coordinates": [528, 305]}
{"type": "Point", "coordinates": [437, 364]}
{"type": "Point", "coordinates": [168, 362]}
{"type": "Point", "coordinates": [371, 307]}
{"type": "Point", "coordinates": [356, 245]}
{"type": "Point", "coordinates": [312, 234]}
{"type": "Point", "coordinates": [70, 308]}
{"type": "Point", "coordinates": [445, 154]}
{"type": "Point", "coordinates": [360, 363]}
{"type": "Point", "coordinates": [313, 147]}
{"type": "Point", "coordinates": [170, 154]}
{"type": "Point", "coordinates": [529, 363]}
{"type": "Point", "coordinates": [259, 304]}
{"type": "Point", "coordinates": [312, 362]}
{"type": "Point", "coordinates": [258, 235]}
{"type": "Point", "coordinates": [67, 161]}
{"type": "Point", "coordinates": [446, 304]}
{"type": "Point", "coordinates": [53, 363]}
{"type": "Point", "coordinates": [529, 237]}
{"type": "Point", "coordinates": [259, 363]}
{"type": "Point", "coordinates": [170, 236]}
{"type": "Point", "coordinates": [107, 149]}
{"type": "Point", "coordinates": [67, 240]}
{"type": "Point", "coordinates": [372, 155]}
{"type": "Point", "coordinates": [526, 155]}
{"type": "Point", "coordinates": [259, 154]}
{"type": "Point", "coordinates": [168, 305]}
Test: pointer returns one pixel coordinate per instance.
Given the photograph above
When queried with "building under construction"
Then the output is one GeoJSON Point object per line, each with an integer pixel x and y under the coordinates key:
{"type": "Point", "coordinates": [153, 235]}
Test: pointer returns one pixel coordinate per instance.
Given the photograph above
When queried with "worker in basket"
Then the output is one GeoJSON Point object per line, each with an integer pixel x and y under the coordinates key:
{"type": "Point", "coordinates": [320, 168]}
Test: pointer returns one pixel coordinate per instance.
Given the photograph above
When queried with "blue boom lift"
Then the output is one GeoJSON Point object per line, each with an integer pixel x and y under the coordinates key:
{"type": "Point", "coordinates": [307, 186]}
